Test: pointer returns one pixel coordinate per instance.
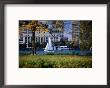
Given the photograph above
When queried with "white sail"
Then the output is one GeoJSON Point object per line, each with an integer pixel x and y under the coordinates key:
{"type": "Point", "coordinates": [49, 45]}
{"type": "Point", "coordinates": [46, 48]}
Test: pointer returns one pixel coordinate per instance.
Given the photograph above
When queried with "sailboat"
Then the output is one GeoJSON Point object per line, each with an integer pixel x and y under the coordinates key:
{"type": "Point", "coordinates": [49, 47]}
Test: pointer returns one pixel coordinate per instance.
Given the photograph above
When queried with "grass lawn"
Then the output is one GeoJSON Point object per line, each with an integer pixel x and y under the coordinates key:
{"type": "Point", "coordinates": [55, 61]}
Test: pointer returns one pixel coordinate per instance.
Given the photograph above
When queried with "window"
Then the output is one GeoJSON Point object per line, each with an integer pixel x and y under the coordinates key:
{"type": "Point", "coordinates": [28, 39]}
{"type": "Point", "coordinates": [25, 39]}
{"type": "Point", "coordinates": [41, 39]}
{"type": "Point", "coordinates": [46, 39]}
{"type": "Point", "coordinates": [20, 38]}
{"type": "Point", "coordinates": [36, 39]}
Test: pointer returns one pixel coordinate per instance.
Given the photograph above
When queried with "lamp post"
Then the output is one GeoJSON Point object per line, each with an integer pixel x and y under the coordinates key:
{"type": "Point", "coordinates": [27, 39]}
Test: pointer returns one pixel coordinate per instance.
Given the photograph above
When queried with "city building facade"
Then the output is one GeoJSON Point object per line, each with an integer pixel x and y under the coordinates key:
{"type": "Point", "coordinates": [76, 31]}
{"type": "Point", "coordinates": [25, 37]}
{"type": "Point", "coordinates": [41, 37]}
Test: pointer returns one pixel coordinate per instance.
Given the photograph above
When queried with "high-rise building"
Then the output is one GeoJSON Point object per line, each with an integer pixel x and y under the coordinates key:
{"type": "Point", "coordinates": [75, 31]}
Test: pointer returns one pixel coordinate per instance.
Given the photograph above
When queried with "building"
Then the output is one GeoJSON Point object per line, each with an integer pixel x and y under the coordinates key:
{"type": "Point", "coordinates": [68, 29]}
{"type": "Point", "coordinates": [25, 37]}
{"type": "Point", "coordinates": [70, 32]}
{"type": "Point", "coordinates": [75, 31]}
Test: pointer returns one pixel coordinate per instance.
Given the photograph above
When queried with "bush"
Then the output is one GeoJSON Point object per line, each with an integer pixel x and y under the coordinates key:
{"type": "Point", "coordinates": [55, 61]}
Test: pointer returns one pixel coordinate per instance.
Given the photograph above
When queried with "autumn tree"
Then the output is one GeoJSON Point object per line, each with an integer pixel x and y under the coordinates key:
{"type": "Point", "coordinates": [32, 25]}
{"type": "Point", "coordinates": [57, 25]}
{"type": "Point", "coordinates": [85, 35]}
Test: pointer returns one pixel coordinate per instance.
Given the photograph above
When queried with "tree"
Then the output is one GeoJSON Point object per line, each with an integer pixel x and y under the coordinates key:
{"type": "Point", "coordinates": [85, 35]}
{"type": "Point", "coordinates": [57, 25]}
{"type": "Point", "coordinates": [75, 43]}
{"type": "Point", "coordinates": [32, 25]}
{"type": "Point", "coordinates": [35, 25]}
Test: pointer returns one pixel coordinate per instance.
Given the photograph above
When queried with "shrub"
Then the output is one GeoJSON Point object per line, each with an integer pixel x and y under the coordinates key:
{"type": "Point", "coordinates": [55, 61]}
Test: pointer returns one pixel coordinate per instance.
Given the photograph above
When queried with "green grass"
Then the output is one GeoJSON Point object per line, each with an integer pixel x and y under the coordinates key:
{"type": "Point", "coordinates": [55, 61]}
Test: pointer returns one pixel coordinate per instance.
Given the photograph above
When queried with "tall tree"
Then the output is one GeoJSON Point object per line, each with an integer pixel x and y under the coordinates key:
{"type": "Point", "coordinates": [85, 35]}
{"type": "Point", "coordinates": [32, 25]}
{"type": "Point", "coordinates": [56, 26]}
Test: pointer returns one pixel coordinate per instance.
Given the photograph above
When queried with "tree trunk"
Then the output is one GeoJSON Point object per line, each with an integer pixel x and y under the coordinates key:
{"type": "Point", "coordinates": [33, 43]}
